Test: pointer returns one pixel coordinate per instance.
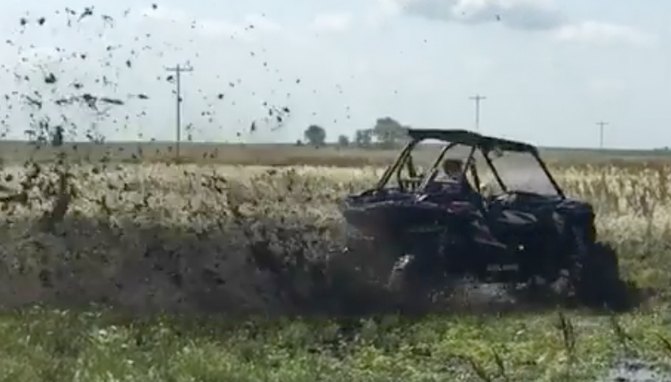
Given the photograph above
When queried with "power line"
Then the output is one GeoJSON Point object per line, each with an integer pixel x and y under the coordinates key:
{"type": "Point", "coordinates": [601, 124]}
{"type": "Point", "coordinates": [477, 98]}
{"type": "Point", "coordinates": [178, 71]}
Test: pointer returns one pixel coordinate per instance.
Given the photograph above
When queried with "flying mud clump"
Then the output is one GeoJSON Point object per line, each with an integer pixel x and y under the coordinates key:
{"type": "Point", "coordinates": [72, 82]}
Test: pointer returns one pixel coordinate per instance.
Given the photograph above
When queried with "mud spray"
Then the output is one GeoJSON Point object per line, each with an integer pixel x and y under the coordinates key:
{"type": "Point", "coordinates": [137, 238]}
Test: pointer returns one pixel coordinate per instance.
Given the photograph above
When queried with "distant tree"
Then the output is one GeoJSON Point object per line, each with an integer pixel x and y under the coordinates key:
{"type": "Point", "coordinates": [343, 141]}
{"type": "Point", "coordinates": [316, 135]}
{"type": "Point", "coordinates": [57, 137]}
{"type": "Point", "coordinates": [299, 142]}
{"type": "Point", "coordinates": [389, 132]}
{"type": "Point", "coordinates": [363, 138]}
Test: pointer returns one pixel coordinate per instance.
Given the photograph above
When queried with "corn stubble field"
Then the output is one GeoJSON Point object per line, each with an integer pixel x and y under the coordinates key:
{"type": "Point", "coordinates": [169, 256]}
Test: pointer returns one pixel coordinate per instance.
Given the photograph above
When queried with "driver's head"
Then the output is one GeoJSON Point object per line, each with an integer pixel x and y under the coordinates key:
{"type": "Point", "coordinates": [452, 167]}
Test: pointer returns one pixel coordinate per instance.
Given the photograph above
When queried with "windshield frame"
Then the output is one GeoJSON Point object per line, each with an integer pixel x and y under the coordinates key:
{"type": "Point", "coordinates": [404, 159]}
{"type": "Point", "coordinates": [539, 162]}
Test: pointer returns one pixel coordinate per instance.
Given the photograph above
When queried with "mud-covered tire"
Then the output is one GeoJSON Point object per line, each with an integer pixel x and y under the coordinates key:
{"type": "Point", "coordinates": [410, 291]}
{"type": "Point", "coordinates": [370, 255]}
{"type": "Point", "coordinates": [398, 277]}
{"type": "Point", "coordinates": [599, 282]}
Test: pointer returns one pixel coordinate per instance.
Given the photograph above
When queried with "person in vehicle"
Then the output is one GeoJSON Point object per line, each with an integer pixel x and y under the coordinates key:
{"type": "Point", "coordinates": [452, 176]}
{"type": "Point", "coordinates": [452, 168]}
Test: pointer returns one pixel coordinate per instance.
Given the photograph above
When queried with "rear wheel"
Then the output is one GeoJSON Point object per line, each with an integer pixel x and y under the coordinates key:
{"type": "Point", "coordinates": [405, 285]}
{"type": "Point", "coordinates": [596, 277]}
{"type": "Point", "coordinates": [413, 283]}
{"type": "Point", "coordinates": [600, 284]}
{"type": "Point", "coordinates": [371, 256]}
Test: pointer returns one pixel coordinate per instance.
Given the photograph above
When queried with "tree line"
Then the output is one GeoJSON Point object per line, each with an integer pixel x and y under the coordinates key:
{"type": "Point", "coordinates": [387, 133]}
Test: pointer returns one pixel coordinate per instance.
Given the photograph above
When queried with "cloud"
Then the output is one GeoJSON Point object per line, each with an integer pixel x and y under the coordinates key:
{"type": "Point", "coordinates": [165, 13]}
{"type": "Point", "coordinates": [606, 88]}
{"type": "Point", "coordinates": [531, 15]}
{"type": "Point", "coordinates": [210, 27]}
{"type": "Point", "coordinates": [261, 22]}
{"type": "Point", "coordinates": [336, 22]}
{"type": "Point", "coordinates": [519, 14]}
{"type": "Point", "coordinates": [595, 32]}
{"type": "Point", "coordinates": [41, 53]}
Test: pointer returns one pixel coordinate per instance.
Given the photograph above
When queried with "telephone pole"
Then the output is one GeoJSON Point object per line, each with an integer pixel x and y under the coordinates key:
{"type": "Point", "coordinates": [477, 98]}
{"type": "Point", "coordinates": [601, 125]}
{"type": "Point", "coordinates": [178, 71]}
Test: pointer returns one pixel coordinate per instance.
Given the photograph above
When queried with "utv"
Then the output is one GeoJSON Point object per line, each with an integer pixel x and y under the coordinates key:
{"type": "Point", "coordinates": [500, 218]}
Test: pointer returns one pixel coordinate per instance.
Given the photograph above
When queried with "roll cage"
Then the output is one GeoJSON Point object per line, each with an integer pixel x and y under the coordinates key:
{"type": "Point", "coordinates": [474, 141]}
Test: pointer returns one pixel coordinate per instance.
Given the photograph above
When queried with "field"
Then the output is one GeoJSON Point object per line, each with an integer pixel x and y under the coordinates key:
{"type": "Point", "coordinates": [133, 269]}
{"type": "Point", "coordinates": [280, 154]}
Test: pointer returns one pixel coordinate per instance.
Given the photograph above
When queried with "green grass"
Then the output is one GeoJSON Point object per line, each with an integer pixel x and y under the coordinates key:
{"type": "Point", "coordinates": [98, 344]}
{"type": "Point", "coordinates": [50, 345]}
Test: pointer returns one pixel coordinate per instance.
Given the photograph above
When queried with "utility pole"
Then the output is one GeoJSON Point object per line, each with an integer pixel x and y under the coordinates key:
{"type": "Point", "coordinates": [178, 71]}
{"type": "Point", "coordinates": [601, 125]}
{"type": "Point", "coordinates": [477, 98]}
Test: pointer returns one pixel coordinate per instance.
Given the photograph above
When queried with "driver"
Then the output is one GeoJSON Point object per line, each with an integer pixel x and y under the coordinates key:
{"type": "Point", "coordinates": [452, 181]}
{"type": "Point", "coordinates": [452, 175]}
{"type": "Point", "coordinates": [452, 168]}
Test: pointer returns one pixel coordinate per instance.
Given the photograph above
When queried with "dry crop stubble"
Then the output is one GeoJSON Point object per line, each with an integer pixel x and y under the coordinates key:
{"type": "Point", "coordinates": [163, 237]}
{"type": "Point", "coordinates": [160, 236]}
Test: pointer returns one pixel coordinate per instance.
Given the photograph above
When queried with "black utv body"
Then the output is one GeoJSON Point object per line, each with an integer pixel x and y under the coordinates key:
{"type": "Point", "coordinates": [513, 235]}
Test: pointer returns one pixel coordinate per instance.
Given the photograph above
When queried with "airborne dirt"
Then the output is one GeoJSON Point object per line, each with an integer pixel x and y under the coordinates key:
{"type": "Point", "coordinates": [134, 237]}
{"type": "Point", "coordinates": [73, 247]}
{"type": "Point", "coordinates": [156, 268]}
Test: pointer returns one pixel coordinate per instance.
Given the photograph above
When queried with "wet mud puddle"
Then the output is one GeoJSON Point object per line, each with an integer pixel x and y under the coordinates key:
{"type": "Point", "coordinates": [637, 371]}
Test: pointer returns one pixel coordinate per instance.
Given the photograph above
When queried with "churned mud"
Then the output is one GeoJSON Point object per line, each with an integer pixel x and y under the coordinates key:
{"type": "Point", "coordinates": [236, 269]}
{"type": "Point", "coordinates": [637, 371]}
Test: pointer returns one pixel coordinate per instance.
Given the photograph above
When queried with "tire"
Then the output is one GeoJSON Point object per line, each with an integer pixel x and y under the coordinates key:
{"type": "Point", "coordinates": [599, 282]}
{"type": "Point", "coordinates": [399, 277]}
{"type": "Point", "coordinates": [409, 286]}
{"type": "Point", "coordinates": [371, 256]}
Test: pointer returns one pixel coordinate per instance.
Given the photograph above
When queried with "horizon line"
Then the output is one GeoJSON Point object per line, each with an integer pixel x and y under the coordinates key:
{"type": "Point", "coordinates": [284, 143]}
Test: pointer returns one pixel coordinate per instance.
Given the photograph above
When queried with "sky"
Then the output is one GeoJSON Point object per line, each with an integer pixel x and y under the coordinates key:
{"type": "Point", "coordinates": [264, 70]}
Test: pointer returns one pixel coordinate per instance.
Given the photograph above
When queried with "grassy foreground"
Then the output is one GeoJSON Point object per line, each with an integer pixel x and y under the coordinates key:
{"type": "Point", "coordinates": [128, 208]}
{"type": "Point", "coordinates": [39, 344]}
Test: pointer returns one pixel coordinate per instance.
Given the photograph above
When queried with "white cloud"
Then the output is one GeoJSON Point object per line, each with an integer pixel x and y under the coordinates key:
{"type": "Point", "coordinates": [337, 22]}
{"type": "Point", "coordinates": [523, 14]}
{"type": "Point", "coordinates": [606, 87]}
{"type": "Point", "coordinates": [391, 7]}
{"type": "Point", "coordinates": [261, 22]}
{"type": "Point", "coordinates": [595, 32]}
{"type": "Point", "coordinates": [217, 28]}
{"type": "Point", "coordinates": [520, 14]}
{"type": "Point", "coordinates": [41, 53]}
{"type": "Point", "coordinates": [210, 27]}
{"type": "Point", "coordinates": [539, 15]}
{"type": "Point", "coordinates": [380, 12]}
{"type": "Point", "coordinates": [165, 13]}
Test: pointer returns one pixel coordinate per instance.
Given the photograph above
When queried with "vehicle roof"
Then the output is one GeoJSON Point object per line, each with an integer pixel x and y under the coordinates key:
{"type": "Point", "coordinates": [469, 138]}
